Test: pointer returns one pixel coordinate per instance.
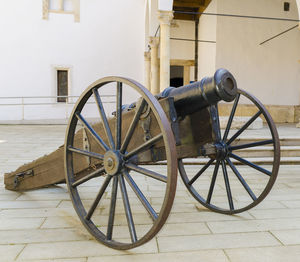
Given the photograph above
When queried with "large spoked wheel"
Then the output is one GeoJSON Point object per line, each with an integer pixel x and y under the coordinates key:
{"type": "Point", "coordinates": [121, 201]}
{"type": "Point", "coordinates": [244, 167]}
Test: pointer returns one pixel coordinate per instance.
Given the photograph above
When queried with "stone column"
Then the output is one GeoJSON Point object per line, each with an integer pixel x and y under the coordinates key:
{"type": "Point", "coordinates": [45, 9]}
{"type": "Point", "coordinates": [147, 70]}
{"type": "Point", "coordinates": [186, 75]}
{"type": "Point", "coordinates": [154, 42]}
{"type": "Point", "coordinates": [297, 109]}
{"type": "Point", "coordinates": [297, 112]}
{"type": "Point", "coordinates": [165, 18]}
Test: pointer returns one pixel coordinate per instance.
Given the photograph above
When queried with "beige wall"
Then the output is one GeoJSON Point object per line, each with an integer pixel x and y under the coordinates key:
{"type": "Point", "coordinates": [108, 40]}
{"type": "Point", "coordinates": [153, 17]}
{"type": "Point", "coordinates": [183, 49]}
{"type": "Point", "coordinates": [270, 71]}
{"type": "Point", "coordinates": [207, 51]}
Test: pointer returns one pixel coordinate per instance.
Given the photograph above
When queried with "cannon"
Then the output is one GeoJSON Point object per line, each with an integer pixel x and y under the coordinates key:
{"type": "Point", "coordinates": [125, 145]}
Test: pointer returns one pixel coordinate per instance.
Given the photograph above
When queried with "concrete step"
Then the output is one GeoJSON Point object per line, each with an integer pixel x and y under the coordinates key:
{"type": "Point", "coordinates": [255, 160]}
{"type": "Point", "coordinates": [262, 155]}
{"type": "Point", "coordinates": [289, 147]}
{"type": "Point", "coordinates": [284, 141]}
{"type": "Point", "coordinates": [290, 141]}
{"type": "Point", "coordinates": [267, 151]}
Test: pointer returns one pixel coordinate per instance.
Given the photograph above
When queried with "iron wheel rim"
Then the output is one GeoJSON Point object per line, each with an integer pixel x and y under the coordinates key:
{"type": "Point", "coordinates": [170, 150]}
{"type": "Point", "coordinates": [275, 166]}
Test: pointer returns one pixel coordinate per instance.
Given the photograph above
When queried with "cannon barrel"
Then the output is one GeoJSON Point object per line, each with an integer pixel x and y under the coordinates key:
{"type": "Point", "coordinates": [210, 90]}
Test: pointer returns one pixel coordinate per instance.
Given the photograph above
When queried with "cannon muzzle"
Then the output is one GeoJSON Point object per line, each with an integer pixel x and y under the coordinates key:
{"type": "Point", "coordinates": [209, 91]}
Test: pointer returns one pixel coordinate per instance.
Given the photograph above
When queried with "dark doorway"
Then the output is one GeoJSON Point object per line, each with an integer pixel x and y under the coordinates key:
{"type": "Point", "coordinates": [62, 85]}
{"type": "Point", "coordinates": [176, 76]}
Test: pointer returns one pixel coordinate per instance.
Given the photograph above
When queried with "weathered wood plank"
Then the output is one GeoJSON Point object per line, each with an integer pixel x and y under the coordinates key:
{"type": "Point", "coordinates": [193, 131]}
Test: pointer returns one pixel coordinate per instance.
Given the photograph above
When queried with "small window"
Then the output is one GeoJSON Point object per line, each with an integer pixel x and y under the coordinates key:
{"type": "Point", "coordinates": [61, 7]}
{"type": "Point", "coordinates": [62, 85]}
{"type": "Point", "coordinates": [286, 6]}
{"type": "Point", "coordinates": [55, 5]}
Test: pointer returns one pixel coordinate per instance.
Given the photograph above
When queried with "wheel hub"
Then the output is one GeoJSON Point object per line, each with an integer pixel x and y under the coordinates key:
{"type": "Point", "coordinates": [222, 150]}
{"type": "Point", "coordinates": [113, 162]}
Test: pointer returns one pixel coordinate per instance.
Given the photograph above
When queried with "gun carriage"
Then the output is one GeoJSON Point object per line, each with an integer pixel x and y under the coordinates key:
{"type": "Point", "coordinates": [118, 156]}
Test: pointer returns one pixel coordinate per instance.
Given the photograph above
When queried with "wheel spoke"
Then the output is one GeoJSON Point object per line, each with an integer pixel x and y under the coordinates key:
{"type": "Point", "coordinates": [85, 153]}
{"type": "Point", "coordinates": [88, 177]}
{"type": "Point", "coordinates": [201, 172]}
{"type": "Point", "coordinates": [230, 119]}
{"type": "Point", "coordinates": [216, 121]}
{"type": "Point", "coordinates": [103, 118]}
{"type": "Point", "coordinates": [213, 182]}
{"type": "Point", "coordinates": [244, 127]}
{"type": "Point", "coordinates": [132, 126]}
{"type": "Point", "coordinates": [92, 131]}
{"type": "Point", "coordinates": [146, 172]}
{"type": "Point", "coordinates": [112, 208]}
{"type": "Point", "coordinates": [241, 179]}
{"type": "Point", "coordinates": [140, 196]}
{"type": "Point", "coordinates": [119, 116]}
{"type": "Point", "coordinates": [98, 198]}
{"type": "Point", "coordinates": [144, 146]}
{"type": "Point", "coordinates": [255, 144]}
{"type": "Point", "coordinates": [127, 210]}
{"type": "Point", "coordinates": [227, 184]}
{"type": "Point", "coordinates": [246, 162]}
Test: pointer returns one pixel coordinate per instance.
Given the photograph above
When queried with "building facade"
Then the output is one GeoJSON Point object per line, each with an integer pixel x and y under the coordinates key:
{"type": "Point", "coordinates": [59, 47]}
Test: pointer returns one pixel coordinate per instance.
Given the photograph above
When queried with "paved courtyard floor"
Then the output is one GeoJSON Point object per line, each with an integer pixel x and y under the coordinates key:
{"type": "Point", "coordinates": [41, 225]}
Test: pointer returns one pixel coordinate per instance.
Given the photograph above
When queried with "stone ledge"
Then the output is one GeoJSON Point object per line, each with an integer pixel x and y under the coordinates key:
{"type": "Point", "coordinates": [239, 121]}
{"type": "Point", "coordinates": [279, 113]}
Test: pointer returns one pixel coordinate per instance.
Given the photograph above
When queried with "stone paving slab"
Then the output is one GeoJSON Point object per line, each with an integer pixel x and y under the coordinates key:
{"type": "Point", "coordinates": [275, 213]}
{"type": "Point", "coordinates": [38, 212]}
{"type": "Point", "coordinates": [28, 204]}
{"type": "Point", "coordinates": [206, 255]}
{"type": "Point", "coordinates": [291, 203]}
{"type": "Point", "coordinates": [253, 225]}
{"type": "Point", "coordinates": [216, 241]}
{"type": "Point", "coordinates": [69, 249]}
{"type": "Point", "coordinates": [40, 236]}
{"type": "Point", "coordinates": [267, 254]}
{"type": "Point", "coordinates": [10, 252]}
{"type": "Point", "coordinates": [57, 260]}
{"type": "Point", "coordinates": [20, 223]}
{"type": "Point", "coordinates": [288, 237]}
{"type": "Point", "coordinates": [42, 226]}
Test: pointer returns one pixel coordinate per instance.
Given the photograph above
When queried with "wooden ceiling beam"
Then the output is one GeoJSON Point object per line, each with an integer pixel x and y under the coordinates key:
{"type": "Point", "coordinates": [184, 17]}
{"type": "Point", "coordinates": [189, 3]}
{"type": "Point", "coordinates": [189, 6]}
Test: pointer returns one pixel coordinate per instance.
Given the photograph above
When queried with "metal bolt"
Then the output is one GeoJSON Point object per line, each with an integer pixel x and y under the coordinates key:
{"type": "Point", "coordinates": [110, 162]}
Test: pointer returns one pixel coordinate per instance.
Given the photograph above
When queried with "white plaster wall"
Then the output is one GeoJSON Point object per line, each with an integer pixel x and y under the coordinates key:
{"type": "Point", "coordinates": [270, 71]}
{"type": "Point", "coordinates": [165, 5]}
{"type": "Point", "coordinates": [153, 16]}
{"type": "Point", "coordinates": [207, 51]}
{"type": "Point", "coordinates": [298, 4]}
{"type": "Point", "coordinates": [109, 40]}
{"type": "Point", "coordinates": [147, 23]}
